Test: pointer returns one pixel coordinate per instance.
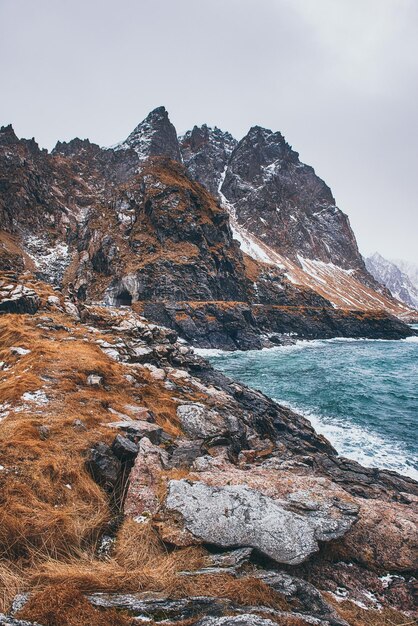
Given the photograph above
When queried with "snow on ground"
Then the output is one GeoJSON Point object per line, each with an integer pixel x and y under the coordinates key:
{"type": "Point", "coordinates": [51, 260]}
{"type": "Point", "coordinates": [37, 397]}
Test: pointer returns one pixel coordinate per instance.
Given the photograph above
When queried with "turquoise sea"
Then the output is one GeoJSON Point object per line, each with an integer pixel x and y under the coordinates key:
{"type": "Point", "coordinates": [361, 394]}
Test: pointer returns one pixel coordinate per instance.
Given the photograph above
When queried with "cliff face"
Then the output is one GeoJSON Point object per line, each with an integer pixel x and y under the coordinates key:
{"type": "Point", "coordinates": [285, 215]}
{"type": "Point", "coordinates": [205, 152]}
{"type": "Point", "coordinates": [131, 224]}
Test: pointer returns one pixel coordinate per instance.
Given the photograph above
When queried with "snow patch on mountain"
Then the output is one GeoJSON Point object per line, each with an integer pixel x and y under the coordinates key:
{"type": "Point", "coordinates": [50, 261]}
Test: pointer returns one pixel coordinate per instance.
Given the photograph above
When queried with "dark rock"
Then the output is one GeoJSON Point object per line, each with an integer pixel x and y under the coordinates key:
{"type": "Point", "coordinates": [306, 595]}
{"type": "Point", "coordinates": [104, 466]}
{"type": "Point", "coordinates": [124, 449]}
{"type": "Point", "coordinates": [155, 136]}
{"type": "Point", "coordinates": [185, 453]}
{"type": "Point", "coordinates": [44, 432]}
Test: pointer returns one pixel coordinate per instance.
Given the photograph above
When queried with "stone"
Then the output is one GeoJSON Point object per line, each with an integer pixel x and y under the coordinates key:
{"type": "Point", "coordinates": [185, 453]}
{"type": "Point", "coordinates": [44, 432]}
{"type": "Point", "coordinates": [144, 480]}
{"type": "Point", "coordinates": [6, 620]}
{"type": "Point", "coordinates": [124, 449]}
{"type": "Point", "coordinates": [79, 425]}
{"type": "Point", "coordinates": [238, 516]}
{"type": "Point", "coordinates": [71, 310]}
{"type": "Point", "coordinates": [197, 420]}
{"type": "Point", "coordinates": [305, 594]}
{"type": "Point", "coordinates": [54, 301]}
{"type": "Point", "coordinates": [234, 558]}
{"type": "Point", "coordinates": [139, 429]}
{"type": "Point", "coordinates": [384, 538]}
{"type": "Point", "coordinates": [246, 619]}
{"type": "Point", "coordinates": [104, 466]}
{"type": "Point", "coordinates": [94, 380]}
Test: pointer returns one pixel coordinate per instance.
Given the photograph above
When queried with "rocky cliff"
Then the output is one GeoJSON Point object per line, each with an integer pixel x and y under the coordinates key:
{"type": "Point", "coordinates": [285, 215]}
{"type": "Point", "coordinates": [132, 224]}
{"type": "Point", "coordinates": [139, 484]}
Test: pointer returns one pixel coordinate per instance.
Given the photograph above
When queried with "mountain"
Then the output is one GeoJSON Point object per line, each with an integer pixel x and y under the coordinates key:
{"type": "Point", "coordinates": [284, 214]}
{"type": "Point", "coordinates": [136, 480]}
{"type": "Point", "coordinates": [154, 136]}
{"type": "Point", "coordinates": [392, 277]}
{"type": "Point", "coordinates": [410, 269]}
{"type": "Point", "coordinates": [133, 225]}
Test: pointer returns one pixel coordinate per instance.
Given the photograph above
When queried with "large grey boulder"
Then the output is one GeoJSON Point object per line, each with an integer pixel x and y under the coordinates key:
{"type": "Point", "coordinates": [197, 420]}
{"type": "Point", "coordinates": [238, 516]}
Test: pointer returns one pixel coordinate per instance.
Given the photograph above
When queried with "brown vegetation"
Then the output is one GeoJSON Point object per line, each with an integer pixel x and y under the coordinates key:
{"type": "Point", "coordinates": [65, 605]}
{"type": "Point", "coordinates": [357, 616]}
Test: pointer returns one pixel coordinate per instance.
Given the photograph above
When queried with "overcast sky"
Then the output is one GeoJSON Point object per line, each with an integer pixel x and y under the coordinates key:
{"type": "Point", "coordinates": [339, 78]}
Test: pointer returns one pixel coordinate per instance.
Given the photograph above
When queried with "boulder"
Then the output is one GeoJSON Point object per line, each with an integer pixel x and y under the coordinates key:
{"type": "Point", "coordinates": [197, 420]}
{"type": "Point", "coordinates": [238, 516]}
{"type": "Point", "coordinates": [144, 480]}
{"type": "Point", "coordinates": [385, 537]}
{"type": "Point", "coordinates": [124, 449]}
{"type": "Point", "coordinates": [104, 466]}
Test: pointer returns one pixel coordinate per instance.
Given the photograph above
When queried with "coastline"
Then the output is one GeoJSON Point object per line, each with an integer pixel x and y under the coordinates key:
{"type": "Point", "coordinates": [361, 442]}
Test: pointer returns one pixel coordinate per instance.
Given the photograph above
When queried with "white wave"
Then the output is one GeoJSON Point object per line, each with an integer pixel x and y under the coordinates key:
{"type": "Point", "coordinates": [411, 339]}
{"type": "Point", "coordinates": [357, 443]}
{"type": "Point", "coordinates": [208, 352]}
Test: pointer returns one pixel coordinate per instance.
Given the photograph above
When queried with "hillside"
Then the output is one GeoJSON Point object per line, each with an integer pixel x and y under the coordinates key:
{"type": "Point", "coordinates": [139, 484]}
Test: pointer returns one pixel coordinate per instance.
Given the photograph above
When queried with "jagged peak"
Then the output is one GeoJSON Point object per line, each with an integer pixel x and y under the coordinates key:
{"type": "Point", "coordinates": [7, 134]}
{"type": "Point", "coordinates": [9, 137]}
{"type": "Point", "coordinates": [154, 136]}
{"type": "Point", "coordinates": [199, 135]}
{"type": "Point", "coordinates": [73, 146]}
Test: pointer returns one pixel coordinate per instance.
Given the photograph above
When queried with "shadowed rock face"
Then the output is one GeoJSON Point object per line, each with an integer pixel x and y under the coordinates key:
{"type": "Point", "coordinates": [274, 195]}
{"type": "Point", "coordinates": [206, 152]}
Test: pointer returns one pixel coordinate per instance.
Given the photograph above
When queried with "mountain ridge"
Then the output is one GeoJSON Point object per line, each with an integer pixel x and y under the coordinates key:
{"type": "Point", "coordinates": [105, 222]}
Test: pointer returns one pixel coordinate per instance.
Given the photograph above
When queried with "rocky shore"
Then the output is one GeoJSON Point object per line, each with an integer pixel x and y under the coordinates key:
{"type": "Point", "coordinates": [140, 484]}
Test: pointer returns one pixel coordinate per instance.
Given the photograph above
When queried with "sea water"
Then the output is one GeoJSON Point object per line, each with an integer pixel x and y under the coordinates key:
{"type": "Point", "coordinates": [361, 394]}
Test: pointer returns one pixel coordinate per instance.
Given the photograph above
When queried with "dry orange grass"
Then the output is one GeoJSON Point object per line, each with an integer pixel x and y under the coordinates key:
{"type": "Point", "coordinates": [140, 562]}
{"type": "Point", "coordinates": [65, 605]}
{"type": "Point", "coordinates": [357, 616]}
{"type": "Point", "coordinates": [11, 582]}
{"type": "Point", "coordinates": [247, 590]}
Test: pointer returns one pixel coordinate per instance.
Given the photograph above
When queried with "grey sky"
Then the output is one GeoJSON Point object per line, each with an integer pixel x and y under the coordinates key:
{"type": "Point", "coordinates": [338, 77]}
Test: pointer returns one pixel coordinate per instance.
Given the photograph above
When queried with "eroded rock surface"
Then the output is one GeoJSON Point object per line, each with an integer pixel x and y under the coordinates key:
{"type": "Point", "coordinates": [239, 516]}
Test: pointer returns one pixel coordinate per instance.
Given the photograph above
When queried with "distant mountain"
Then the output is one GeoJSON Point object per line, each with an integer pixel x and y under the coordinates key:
{"type": "Point", "coordinates": [410, 269]}
{"type": "Point", "coordinates": [394, 278]}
